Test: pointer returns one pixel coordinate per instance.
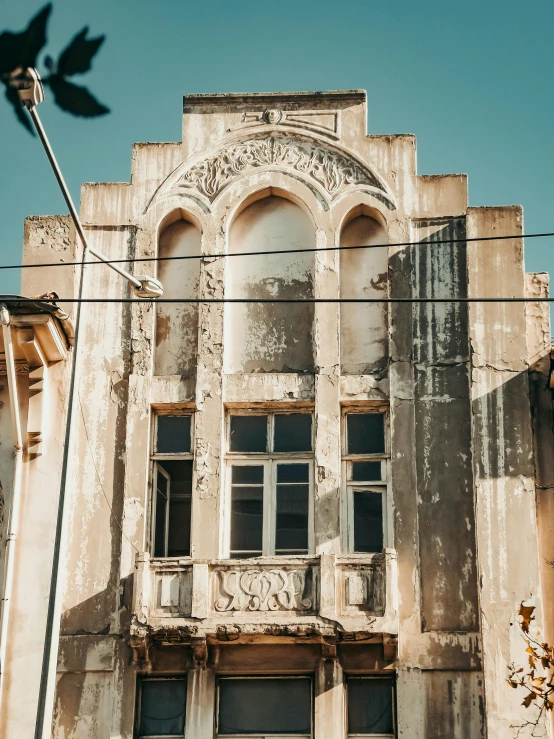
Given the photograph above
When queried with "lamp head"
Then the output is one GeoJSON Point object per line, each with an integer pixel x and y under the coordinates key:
{"type": "Point", "coordinates": [149, 287]}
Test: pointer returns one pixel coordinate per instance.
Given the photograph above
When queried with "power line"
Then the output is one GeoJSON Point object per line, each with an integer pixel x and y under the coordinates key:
{"type": "Point", "coordinates": [280, 251]}
{"type": "Point", "coordinates": [152, 301]}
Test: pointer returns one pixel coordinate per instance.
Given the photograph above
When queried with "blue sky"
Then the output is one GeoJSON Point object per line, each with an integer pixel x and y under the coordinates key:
{"type": "Point", "coordinates": [472, 80]}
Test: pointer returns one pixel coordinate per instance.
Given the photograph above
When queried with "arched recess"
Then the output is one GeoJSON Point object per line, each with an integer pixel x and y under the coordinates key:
{"type": "Point", "coordinates": [363, 274]}
{"type": "Point", "coordinates": [177, 323]}
{"type": "Point", "coordinates": [270, 337]}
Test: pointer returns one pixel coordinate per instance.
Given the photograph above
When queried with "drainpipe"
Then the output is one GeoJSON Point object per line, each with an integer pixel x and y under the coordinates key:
{"type": "Point", "coordinates": [13, 519]}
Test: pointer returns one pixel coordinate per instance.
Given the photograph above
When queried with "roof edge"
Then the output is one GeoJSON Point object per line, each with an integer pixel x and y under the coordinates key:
{"type": "Point", "coordinates": [220, 98]}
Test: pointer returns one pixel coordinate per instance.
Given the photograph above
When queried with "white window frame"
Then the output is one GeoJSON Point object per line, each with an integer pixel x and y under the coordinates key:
{"type": "Point", "coordinates": [266, 736]}
{"type": "Point", "coordinates": [269, 461]}
{"type": "Point", "coordinates": [349, 486]}
{"type": "Point", "coordinates": [155, 458]}
{"type": "Point", "coordinates": [138, 710]}
{"type": "Point", "coordinates": [347, 678]}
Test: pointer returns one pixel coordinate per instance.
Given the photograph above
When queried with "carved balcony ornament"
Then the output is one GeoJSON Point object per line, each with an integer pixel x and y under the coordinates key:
{"type": "Point", "coordinates": [263, 590]}
{"type": "Point", "coordinates": [330, 168]}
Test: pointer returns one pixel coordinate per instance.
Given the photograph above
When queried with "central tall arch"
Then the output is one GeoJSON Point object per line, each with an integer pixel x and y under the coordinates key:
{"type": "Point", "coordinates": [270, 337]}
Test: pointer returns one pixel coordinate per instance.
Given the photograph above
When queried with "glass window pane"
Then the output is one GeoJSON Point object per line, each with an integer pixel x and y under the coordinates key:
{"type": "Point", "coordinates": [248, 434]}
{"type": "Point", "coordinates": [370, 706]}
{"type": "Point", "coordinates": [180, 474]}
{"type": "Point", "coordinates": [293, 432]}
{"type": "Point", "coordinates": [162, 707]}
{"type": "Point", "coordinates": [247, 474]}
{"type": "Point", "coordinates": [366, 433]}
{"type": "Point", "coordinates": [266, 707]}
{"type": "Point", "coordinates": [173, 434]}
{"type": "Point", "coordinates": [178, 538]}
{"type": "Point", "coordinates": [292, 519]}
{"type": "Point", "coordinates": [161, 508]}
{"type": "Point", "coordinates": [368, 521]}
{"type": "Point", "coordinates": [293, 473]}
{"type": "Point", "coordinates": [366, 471]}
{"type": "Point", "coordinates": [246, 520]}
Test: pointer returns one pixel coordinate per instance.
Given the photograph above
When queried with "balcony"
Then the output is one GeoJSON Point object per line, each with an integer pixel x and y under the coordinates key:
{"type": "Point", "coordinates": [321, 599]}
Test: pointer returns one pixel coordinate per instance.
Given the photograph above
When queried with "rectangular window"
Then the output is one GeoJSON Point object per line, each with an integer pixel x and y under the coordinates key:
{"type": "Point", "coordinates": [172, 470]}
{"type": "Point", "coordinates": [370, 702]}
{"type": "Point", "coordinates": [270, 479]}
{"type": "Point", "coordinates": [262, 707]}
{"type": "Point", "coordinates": [365, 462]}
{"type": "Point", "coordinates": [161, 707]}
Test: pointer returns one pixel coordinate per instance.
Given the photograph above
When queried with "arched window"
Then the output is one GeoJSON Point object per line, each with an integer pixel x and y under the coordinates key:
{"type": "Point", "coordinates": [177, 323]}
{"type": "Point", "coordinates": [269, 337]}
{"type": "Point", "coordinates": [363, 274]}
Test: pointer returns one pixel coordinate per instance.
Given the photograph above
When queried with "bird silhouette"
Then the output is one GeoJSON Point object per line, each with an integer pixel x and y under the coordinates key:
{"type": "Point", "coordinates": [19, 51]}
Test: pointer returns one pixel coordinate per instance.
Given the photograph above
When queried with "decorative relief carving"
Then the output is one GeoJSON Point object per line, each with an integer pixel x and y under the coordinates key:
{"type": "Point", "coordinates": [356, 594]}
{"type": "Point", "coordinates": [324, 122]}
{"type": "Point", "coordinates": [329, 168]}
{"type": "Point", "coordinates": [21, 368]}
{"type": "Point", "coordinates": [264, 590]}
{"type": "Point", "coordinates": [364, 588]}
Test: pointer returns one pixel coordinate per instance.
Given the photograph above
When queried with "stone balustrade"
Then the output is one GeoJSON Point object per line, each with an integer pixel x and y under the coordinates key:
{"type": "Point", "coordinates": [357, 593]}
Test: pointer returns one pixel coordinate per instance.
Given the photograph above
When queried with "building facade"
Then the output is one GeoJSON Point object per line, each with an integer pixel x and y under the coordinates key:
{"type": "Point", "coordinates": [291, 519]}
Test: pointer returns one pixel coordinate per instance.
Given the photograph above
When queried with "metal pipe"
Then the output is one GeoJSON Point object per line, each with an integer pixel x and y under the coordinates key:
{"type": "Point", "coordinates": [69, 202]}
{"type": "Point", "coordinates": [13, 519]}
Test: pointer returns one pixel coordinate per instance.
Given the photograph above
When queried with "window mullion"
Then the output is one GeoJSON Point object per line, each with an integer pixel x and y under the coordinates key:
{"type": "Point", "coordinates": [269, 508]}
{"type": "Point", "coordinates": [167, 510]}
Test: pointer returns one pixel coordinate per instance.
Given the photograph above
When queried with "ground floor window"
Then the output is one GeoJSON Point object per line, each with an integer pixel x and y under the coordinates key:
{"type": "Point", "coordinates": [161, 707]}
{"type": "Point", "coordinates": [370, 702]}
{"type": "Point", "coordinates": [261, 707]}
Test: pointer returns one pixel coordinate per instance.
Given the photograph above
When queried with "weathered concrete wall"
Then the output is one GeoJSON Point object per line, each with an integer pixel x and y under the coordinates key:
{"type": "Point", "coordinates": [503, 455]}
{"type": "Point", "coordinates": [296, 171]}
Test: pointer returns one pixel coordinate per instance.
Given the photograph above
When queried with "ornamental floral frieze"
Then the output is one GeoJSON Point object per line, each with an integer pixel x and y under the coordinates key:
{"type": "Point", "coordinates": [329, 168]}
{"type": "Point", "coordinates": [264, 589]}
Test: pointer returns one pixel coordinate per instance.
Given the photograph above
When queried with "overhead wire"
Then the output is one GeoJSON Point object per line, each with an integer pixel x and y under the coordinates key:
{"type": "Point", "coordinates": [133, 260]}
{"type": "Point", "coordinates": [154, 301]}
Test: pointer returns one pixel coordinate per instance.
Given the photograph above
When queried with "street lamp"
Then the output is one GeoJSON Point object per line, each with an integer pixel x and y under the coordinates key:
{"type": "Point", "coordinates": [31, 93]}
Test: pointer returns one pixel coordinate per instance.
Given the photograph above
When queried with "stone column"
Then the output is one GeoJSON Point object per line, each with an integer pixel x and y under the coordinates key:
{"type": "Point", "coordinates": [330, 701]}
{"type": "Point", "coordinates": [205, 535]}
{"type": "Point", "coordinates": [200, 703]}
{"type": "Point", "coordinates": [327, 400]}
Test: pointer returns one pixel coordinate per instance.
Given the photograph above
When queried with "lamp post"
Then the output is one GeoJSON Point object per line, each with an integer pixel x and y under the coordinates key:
{"type": "Point", "coordinates": [31, 93]}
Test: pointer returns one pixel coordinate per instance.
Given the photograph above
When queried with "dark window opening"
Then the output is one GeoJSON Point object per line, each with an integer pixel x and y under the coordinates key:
{"type": "Point", "coordinates": [162, 708]}
{"type": "Point", "coordinates": [173, 508]}
{"type": "Point", "coordinates": [370, 706]}
{"type": "Point", "coordinates": [365, 433]}
{"type": "Point", "coordinates": [248, 434]}
{"type": "Point", "coordinates": [269, 706]}
{"type": "Point", "coordinates": [293, 497]}
{"type": "Point", "coordinates": [366, 471]}
{"type": "Point", "coordinates": [368, 521]}
{"type": "Point", "coordinates": [293, 432]}
{"type": "Point", "coordinates": [247, 495]}
{"type": "Point", "coordinates": [173, 435]}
